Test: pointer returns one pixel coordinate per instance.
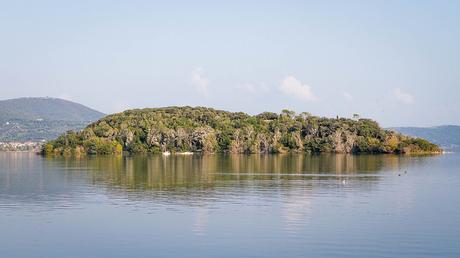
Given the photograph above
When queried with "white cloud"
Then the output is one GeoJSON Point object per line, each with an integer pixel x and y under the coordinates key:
{"type": "Point", "coordinates": [253, 87]}
{"type": "Point", "coordinates": [294, 88]}
{"type": "Point", "coordinates": [247, 87]}
{"type": "Point", "coordinates": [120, 107]}
{"type": "Point", "coordinates": [65, 96]}
{"type": "Point", "coordinates": [199, 80]}
{"type": "Point", "coordinates": [347, 96]}
{"type": "Point", "coordinates": [402, 96]}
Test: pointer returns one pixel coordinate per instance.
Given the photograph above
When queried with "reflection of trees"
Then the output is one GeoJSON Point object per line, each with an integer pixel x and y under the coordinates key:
{"type": "Point", "coordinates": [204, 171]}
{"type": "Point", "coordinates": [201, 181]}
{"type": "Point", "coordinates": [198, 171]}
{"type": "Point", "coordinates": [201, 173]}
{"type": "Point", "coordinates": [198, 181]}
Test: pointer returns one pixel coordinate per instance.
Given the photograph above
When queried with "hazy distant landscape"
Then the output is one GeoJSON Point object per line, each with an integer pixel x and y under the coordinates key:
{"type": "Point", "coordinates": [446, 136]}
{"type": "Point", "coordinates": [37, 119]}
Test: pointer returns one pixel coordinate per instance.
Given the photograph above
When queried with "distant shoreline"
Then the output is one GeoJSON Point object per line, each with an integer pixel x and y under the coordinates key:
{"type": "Point", "coordinates": [17, 146]}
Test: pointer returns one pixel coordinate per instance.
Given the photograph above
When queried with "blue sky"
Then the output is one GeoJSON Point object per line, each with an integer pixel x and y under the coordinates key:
{"type": "Point", "coordinates": [393, 61]}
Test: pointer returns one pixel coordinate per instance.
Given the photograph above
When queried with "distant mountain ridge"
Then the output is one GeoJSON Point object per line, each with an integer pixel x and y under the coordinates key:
{"type": "Point", "coordinates": [36, 119]}
{"type": "Point", "coordinates": [49, 109]}
{"type": "Point", "coordinates": [447, 136]}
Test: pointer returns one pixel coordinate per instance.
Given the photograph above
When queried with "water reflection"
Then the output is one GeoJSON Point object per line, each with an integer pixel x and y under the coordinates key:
{"type": "Point", "coordinates": [200, 223]}
{"type": "Point", "coordinates": [27, 172]}
{"type": "Point", "coordinates": [28, 180]}
{"type": "Point", "coordinates": [297, 208]}
{"type": "Point", "coordinates": [31, 176]}
{"type": "Point", "coordinates": [202, 171]}
{"type": "Point", "coordinates": [201, 181]}
{"type": "Point", "coordinates": [267, 205]}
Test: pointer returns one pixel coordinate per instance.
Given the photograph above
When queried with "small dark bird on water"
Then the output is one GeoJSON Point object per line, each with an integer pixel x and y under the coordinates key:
{"type": "Point", "coordinates": [399, 174]}
{"type": "Point", "coordinates": [405, 171]}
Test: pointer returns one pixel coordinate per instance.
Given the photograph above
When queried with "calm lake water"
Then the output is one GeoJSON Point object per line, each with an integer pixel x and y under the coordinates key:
{"type": "Point", "coordinates": [230, 206]}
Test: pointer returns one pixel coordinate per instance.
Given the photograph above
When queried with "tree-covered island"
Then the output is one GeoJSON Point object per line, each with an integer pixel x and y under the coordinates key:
{"type": "Point", "coordinates": [206, 130]}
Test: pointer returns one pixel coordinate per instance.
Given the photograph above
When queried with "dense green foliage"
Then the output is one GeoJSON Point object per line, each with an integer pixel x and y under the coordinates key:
{"type": "Point", "coordinates": [179, 129]}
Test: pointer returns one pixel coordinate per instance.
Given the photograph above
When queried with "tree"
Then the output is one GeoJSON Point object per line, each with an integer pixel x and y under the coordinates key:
{"type": "Point", "coordinates": [288, 113]}
{"type": "Point", "coordinates": [208, 130]}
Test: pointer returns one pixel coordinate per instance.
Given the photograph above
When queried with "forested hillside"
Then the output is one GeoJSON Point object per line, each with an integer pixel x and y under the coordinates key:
{"type": "Point", "coordinates": [33, 119]}
{"type": "Point", "coordinates": [180, 129]}
{"type": "Point", "coordinates": [50, 109]}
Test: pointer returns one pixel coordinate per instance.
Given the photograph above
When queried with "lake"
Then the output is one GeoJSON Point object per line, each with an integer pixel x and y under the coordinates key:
{"type": "Point", "coordinates": [230, 206]}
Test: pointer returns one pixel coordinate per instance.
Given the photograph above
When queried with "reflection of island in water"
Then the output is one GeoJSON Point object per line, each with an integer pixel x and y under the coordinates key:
{"type": "Point", "coordinates": [204, 182]}
{"type": "Point", "coordinates": [289, 186]}
{"type": "Point", "coordinates": [204, 171]}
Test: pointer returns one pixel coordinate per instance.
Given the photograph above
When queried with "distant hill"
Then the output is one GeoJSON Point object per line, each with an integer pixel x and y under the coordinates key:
{"type": "Point", "coordinates": [50, 109]}
{"type": "Point", "coordinates": [447, 136]}
{"type": "Point", "coordinates": [34, 119]}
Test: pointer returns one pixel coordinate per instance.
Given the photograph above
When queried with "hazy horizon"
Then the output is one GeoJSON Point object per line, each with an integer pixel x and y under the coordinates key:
{"type": "Point", "coordinates": [389, 61]}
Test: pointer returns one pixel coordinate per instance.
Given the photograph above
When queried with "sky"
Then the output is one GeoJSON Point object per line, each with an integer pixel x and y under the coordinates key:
{"type": "Point", "coordinates": [397, 62]}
